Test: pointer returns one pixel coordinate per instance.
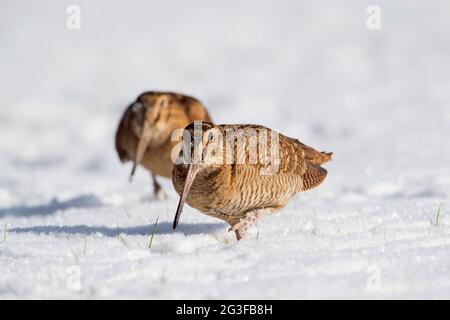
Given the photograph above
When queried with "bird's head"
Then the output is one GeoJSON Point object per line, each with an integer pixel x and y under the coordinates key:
{"type": "Point", "coordinates": [150, 116]}
{"type": "Point", "coordinates": [202, 151]}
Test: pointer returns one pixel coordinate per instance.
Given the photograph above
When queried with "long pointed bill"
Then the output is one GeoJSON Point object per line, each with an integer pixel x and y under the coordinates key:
{"type": "Point", "coordinates": [192, 172]}
{"type": "Point", "coordinates": [142, 146]}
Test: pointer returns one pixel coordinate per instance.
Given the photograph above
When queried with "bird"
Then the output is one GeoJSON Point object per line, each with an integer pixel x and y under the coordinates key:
{"type": "Point", "coordinates": [144, 133]}
{"type": "Point", "coordinates": [215, 173]}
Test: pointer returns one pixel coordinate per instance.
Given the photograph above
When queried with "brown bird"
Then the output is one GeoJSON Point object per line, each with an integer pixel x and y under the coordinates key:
{"type": "Point", "coordinates": [145, 130]}
{"type": "Point", "coordinates": [239, 173]}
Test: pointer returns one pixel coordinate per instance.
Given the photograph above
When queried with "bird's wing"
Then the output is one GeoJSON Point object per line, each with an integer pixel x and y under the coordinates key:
{"type": "Point", "coordinates": [313, 176]}
{"type": "Point", "coordinates": [124, 136]}
{"type": "Point", "coordinates": [303, 161]}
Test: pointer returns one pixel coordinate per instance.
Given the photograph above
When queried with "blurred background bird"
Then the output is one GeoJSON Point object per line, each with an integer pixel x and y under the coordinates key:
{"type": "Point", "coordinates": [145, 131]}
{"type": "Point", "coordinates": [240, 192]}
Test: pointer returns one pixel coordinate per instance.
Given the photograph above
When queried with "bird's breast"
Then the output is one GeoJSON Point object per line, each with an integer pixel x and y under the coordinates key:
{"type": "Point", "coordinates": [233, 190]}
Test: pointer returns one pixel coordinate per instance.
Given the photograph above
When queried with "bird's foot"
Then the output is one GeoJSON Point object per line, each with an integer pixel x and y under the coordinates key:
{"type": "Point", "coordinates": [158, 192]}
{"type": "Point", "coordinates": [246, 224]}
{"type": "Point", "coordinates": [160, 195]}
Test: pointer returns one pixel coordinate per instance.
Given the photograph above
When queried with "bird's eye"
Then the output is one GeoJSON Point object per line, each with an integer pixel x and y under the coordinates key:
{"type": "Point", "coordinates": [210, 137]}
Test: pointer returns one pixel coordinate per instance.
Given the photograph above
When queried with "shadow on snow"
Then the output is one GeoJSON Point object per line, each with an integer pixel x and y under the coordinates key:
{"type": "Point", "coordinates": [83, 201]}
{"type": "Point", "coordinates": [163, 228]}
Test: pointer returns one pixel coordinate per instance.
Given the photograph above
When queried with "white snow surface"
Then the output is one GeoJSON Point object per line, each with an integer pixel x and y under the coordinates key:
{"type": "Point", "coordinates": [379, 99]}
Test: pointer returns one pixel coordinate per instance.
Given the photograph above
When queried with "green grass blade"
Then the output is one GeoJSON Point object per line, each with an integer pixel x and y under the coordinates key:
{"type": "Point", "coordinates": [117, 228]}
{"type": "Point", "coordinates": [438, 213]}
{"type": "Point", "coordinates": [85, 243]}
{"type": "Point", "coordinates": [5, 231]}
{"type": "Point", "coordinates": [153, 233]}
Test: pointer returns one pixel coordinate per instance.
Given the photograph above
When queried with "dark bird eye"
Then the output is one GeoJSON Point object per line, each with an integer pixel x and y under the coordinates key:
{"type": "Point", "coordinates": [210, 137]}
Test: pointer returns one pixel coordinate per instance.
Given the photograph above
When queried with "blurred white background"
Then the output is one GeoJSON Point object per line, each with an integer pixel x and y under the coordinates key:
{"type": "Point", "coordinates": [379, 99]}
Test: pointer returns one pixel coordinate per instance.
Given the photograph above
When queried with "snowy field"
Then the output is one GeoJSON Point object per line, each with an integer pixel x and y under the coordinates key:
{"type": "Point", "coordinates": [379, 99]}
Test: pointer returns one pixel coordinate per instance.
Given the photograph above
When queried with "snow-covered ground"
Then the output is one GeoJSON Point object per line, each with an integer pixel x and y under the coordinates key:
{"type": "Point", "coordinates": [379, 99]}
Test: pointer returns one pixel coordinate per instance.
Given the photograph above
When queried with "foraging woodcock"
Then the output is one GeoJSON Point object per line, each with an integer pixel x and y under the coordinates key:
{"type": "Point", "coordinates": [145, 130]}
{"type": "Point", "coordinates": [238, 173]}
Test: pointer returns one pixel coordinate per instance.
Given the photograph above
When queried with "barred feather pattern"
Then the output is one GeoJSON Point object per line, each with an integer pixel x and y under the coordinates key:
{"type": "Point", "coordinates": [230, 190]}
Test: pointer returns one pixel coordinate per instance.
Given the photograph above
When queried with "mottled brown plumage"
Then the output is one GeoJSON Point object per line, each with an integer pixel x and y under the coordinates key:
{"type": "Point", "coordinates": [238, 192]}
{"type": "Point", "coordinates": [145, 129]}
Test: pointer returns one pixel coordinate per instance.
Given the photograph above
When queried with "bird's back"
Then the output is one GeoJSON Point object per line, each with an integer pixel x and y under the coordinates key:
{"type": "Point", "coordinates": [296, 168]}
{"type": "Point", "coordinates": [193, 108]}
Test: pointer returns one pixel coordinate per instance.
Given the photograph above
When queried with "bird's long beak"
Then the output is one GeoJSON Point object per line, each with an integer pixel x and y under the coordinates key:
{"type": "Point", "coordinates": [192, 172]}
{"type": "Point", "coordinates": [144, 141]}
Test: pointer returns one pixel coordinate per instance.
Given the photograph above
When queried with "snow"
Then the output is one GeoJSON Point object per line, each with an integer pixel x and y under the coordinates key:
{"type": "Point", "coordinates": [377, 98]}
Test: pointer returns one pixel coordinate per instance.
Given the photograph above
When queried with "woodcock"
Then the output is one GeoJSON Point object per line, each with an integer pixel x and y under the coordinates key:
{"type": "Point", "coordinates": [238, 191]}
{"type": "Point", "coordinates": [144, 132]}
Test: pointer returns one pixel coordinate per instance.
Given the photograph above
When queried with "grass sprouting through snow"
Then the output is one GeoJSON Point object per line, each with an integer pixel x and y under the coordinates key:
{"type": "Point", "coordinates": [119, 236]}
{"type": "Point", "coordinates": [125, 243]}
{"type": "Point", "coordinates": [153, 234]}
{"type": "Point", "coordinates": [71, 250]}
{"type": "Point", "coordinates": [438, 214]}
{"type": "Point", "coordinates": [84, 247]}
{"type": "Point", "coordinates": [436, 219]}
{"type": "Point", "coordinates": [5, 231]}
{"type": "Point", "coordinates": [117, 227]}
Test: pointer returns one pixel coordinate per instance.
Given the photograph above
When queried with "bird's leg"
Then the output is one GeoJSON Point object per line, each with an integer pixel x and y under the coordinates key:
{"type": "Point", "coordinates": [157, 190]}
{"type": "Point", "coordinates": [240, 227]}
